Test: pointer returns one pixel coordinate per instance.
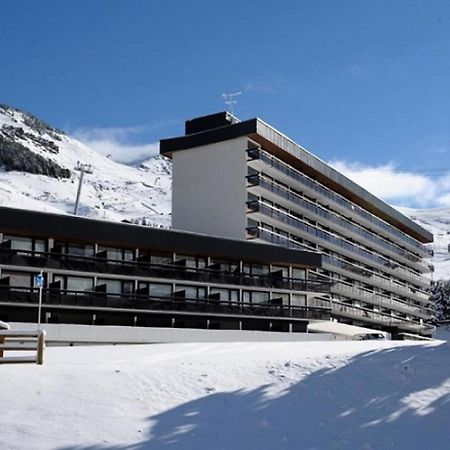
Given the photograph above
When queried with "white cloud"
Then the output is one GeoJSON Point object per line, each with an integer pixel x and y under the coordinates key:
{"type": "Point", "coordinates": [398, 187]}
{"type": "Point", "coordinates": [119, 143]}
{"type": "Point", "coordinates": [259, 87]}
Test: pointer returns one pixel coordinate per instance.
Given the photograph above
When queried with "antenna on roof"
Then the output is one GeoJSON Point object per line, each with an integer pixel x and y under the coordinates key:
{"type": "Point", "coordinates": [230, 100]}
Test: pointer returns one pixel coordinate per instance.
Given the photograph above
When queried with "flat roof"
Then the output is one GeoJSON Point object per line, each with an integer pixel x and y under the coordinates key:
{"type": "Point", "coordinates": [83, 230]}
{"type": "Point", "coordinates": [223, 126]}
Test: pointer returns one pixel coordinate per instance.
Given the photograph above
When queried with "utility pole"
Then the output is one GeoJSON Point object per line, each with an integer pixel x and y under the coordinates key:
{"type": "Point", "coordinates": [82, 168]}
{"type": "Point", "coordinates": [39, 283]}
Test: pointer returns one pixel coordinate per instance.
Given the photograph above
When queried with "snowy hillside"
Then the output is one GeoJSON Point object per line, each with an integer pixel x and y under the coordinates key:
{"type": "Point", "coordinates": [437, 221]}
{"type": "Point", "coordinates": [230, 396]}
{"type": "Point", "coordinates": [47, 180]}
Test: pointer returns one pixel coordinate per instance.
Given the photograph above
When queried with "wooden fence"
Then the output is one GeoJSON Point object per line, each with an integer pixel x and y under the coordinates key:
{"type": "Point", "coordinates": [18, 341]}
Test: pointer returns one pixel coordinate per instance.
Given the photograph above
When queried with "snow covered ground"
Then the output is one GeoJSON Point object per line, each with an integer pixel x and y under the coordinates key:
{"type": "Point", "coordinates": [265, 396]}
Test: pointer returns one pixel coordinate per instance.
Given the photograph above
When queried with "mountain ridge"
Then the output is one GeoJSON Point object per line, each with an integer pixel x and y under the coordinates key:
{"type": "Point", "coordinates": [37, 165]}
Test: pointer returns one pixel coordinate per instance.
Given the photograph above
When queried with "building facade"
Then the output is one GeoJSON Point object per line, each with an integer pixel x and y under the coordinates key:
{"type": "Point", "coordinates": [104, 273]}
{"type": "Point", "coordinates": [246, 180]}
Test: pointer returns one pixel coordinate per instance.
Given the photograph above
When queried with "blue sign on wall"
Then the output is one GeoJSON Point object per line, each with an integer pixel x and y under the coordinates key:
{"type": "Point", "coordinates": [38, 281]}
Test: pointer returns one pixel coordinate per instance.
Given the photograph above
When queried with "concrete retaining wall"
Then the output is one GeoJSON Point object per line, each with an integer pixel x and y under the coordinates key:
{"type": "Point", "coordinates": [89, 334]}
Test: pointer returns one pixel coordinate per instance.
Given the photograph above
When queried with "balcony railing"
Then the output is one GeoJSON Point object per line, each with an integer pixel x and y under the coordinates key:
{"type": "Point", "coordinates": [379, 318]}
{"type": "Point", "coordinates": [298, 224]}
{"type": "Point", "coordinates": [58, 261]}
{"type": "Point", "coordinates": [258, 154]}
{"type": "Point", "coordinates": [133, 302]}
{"type": "Point", "coordinates": [257, 180]}
{"type": "Point", "coordinates": [373, 278]}
{"type": "Point", "coordinates": [379, 299]}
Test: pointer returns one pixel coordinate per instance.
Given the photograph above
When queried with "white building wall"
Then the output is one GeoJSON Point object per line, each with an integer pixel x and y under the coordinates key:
{"type": "Point", "coordinates": [209, 189]}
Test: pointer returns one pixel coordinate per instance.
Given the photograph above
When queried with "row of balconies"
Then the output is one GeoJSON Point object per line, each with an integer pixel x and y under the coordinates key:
{"type": "Point", "coordinates": [344, 268]}
{"type": "Point", "coordinates": [332, 242]}
{"type": "Point", "coordinates": [366, 276]}
{"type": "Point", "coordinates": [174, 303]}
{"type": "Point", "coordinates": [177, 270]}
{"type": "Point", "coordinates": [365, 315]}
{"type": "Point", "coordinates": [294, 201]}
{"type": "Point", "coordinates": [379, 300]}
{"type": "Point", "coordinates": [280, 170]}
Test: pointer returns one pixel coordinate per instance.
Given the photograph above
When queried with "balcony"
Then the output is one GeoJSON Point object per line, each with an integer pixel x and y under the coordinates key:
{"type": "Point", "coordinates": [291, 200]}
{"type": "Point", "coordinates": [290, 174]}
{"type": "Point", "coordinates": [367, 276]}
{"type": "Point", "coordinates": [146, 269]}
{"type": "Point", "coordinates": [365, 315]}
{"type": "Point", "coordinates": [379, 299]}
{"type": "Point", "coordinates": [329, 240]}
{"type": "Point", "coordinates": [54, 298]}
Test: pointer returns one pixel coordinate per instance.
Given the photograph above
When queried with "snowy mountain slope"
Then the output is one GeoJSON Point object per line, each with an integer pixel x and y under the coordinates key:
{"type": "Point", "coordinates": [113, 191]}
{"type": "Point", "coordinates": [437, 221]}
{"type": "Point", "coordinates": [230, 396]}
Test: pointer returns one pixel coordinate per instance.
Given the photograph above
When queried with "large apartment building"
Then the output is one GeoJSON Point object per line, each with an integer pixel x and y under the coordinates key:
{"type": "Point", "coordinates": [246, 180]}
{"type": "Point", "coordinates": [104, 273]}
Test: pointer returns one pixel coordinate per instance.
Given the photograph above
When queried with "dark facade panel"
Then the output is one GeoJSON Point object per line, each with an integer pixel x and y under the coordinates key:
{"type": "Point", "coordinates": [80, 229]}
{"type": "Point", "coordinates": [208, 122]}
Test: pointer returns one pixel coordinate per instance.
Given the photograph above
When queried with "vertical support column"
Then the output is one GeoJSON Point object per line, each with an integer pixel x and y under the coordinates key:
{"type": "Point", "coordinates": [40, 348]}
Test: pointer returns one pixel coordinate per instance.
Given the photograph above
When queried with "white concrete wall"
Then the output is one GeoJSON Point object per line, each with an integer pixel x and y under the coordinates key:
{"type": "Point", "coordinates": [91, 334]}
{"type": "Point", "coordinates": [209, 189]}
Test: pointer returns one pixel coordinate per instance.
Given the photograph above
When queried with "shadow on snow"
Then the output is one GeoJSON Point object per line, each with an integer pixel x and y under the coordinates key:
{"type": "Point", "coordinates": [358, 406]}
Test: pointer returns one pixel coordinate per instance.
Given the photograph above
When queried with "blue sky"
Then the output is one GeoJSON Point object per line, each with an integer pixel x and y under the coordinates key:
{"type": "Point", "coordinates": [361, 83]}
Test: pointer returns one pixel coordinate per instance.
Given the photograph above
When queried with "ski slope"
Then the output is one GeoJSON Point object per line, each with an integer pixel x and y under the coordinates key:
{"type": "Point", "coordinates": [113, 191]}
{"type": "Point", "coordinates": [232, 396]}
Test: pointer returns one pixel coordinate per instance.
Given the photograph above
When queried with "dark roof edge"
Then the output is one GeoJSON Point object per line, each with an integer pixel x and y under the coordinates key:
{"type": "Point", "coordinates": [82, 229]}
{"type": "Point", "coordinates": [219, 134]}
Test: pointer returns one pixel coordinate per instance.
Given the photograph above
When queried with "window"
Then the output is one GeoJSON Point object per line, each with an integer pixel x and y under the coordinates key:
{"type": "Point", "coordinates": [74, 283]}
{"type": "Point", "coordinates": [115, 286]}
{"type": "Point", "coordinates": [279, 272]}
{"type": "Point", "coordinates": [255, 269]}
{"type": "Point", "coordinates": [191, 262]}
{"type": "Point", "coordinates": [279, 299]}
{"type": "Point", "coordinates": [19, 243]}
{"type": "Point", "coordinates": [256, 297]}
{"type": "Point", "coordinates": [161, 258]}
{"type": "Point", "coordinates": [160, 290]}
{"type": "Point", "coordinates": [299, 274]}
{"type": "Point", "coordinates": [73, 249]}
{"type": "Point", "coordinates": [40, 245]}
{"type": "Point", "coordinates": [116, 254]}
{"type": "Point", "coordinates": [190, 292]}
{"type": "Point", "coordinates": [224, 295]}
{"type": "Point", "coordinates": [225, 266]}
{"type": "Point", "coordinates": [18, 279]}
{"type": "Point", "coordinates": [25, 244]}
{"type": "Point", "coordinates": [298, 300]}
{"type": "Point", "coordinates": [109, 286]}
